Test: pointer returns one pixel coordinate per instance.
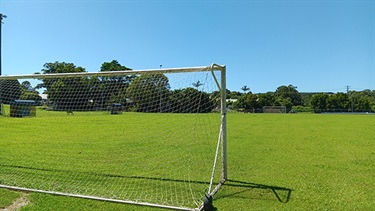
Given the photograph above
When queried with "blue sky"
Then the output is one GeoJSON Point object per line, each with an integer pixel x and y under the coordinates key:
{"type": "Point", "coordinates": [317, 46]}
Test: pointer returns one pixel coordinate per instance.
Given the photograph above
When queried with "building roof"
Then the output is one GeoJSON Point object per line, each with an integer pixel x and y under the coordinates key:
{"type": "Point", "coordinates": [23, 102]}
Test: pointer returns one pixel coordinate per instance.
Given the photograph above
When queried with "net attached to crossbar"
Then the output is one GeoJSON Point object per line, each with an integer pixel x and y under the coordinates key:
{"type": "Point", "coordinates": [153, 137]}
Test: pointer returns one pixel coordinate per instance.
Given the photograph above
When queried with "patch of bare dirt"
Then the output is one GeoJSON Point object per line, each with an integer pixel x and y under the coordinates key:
{"type": "Point", "coordinates": [18, 203]}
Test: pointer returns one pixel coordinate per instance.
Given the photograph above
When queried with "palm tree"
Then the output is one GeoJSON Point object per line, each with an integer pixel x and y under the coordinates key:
{"type": "Point", "coordinates": [245, 89]}
{"type": "Point", "coordinates": [197, 84]}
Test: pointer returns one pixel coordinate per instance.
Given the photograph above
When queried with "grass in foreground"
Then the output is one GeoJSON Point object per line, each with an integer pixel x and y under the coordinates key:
{"type": "Point", "coordinates": [326, 161]}
{"type": "Point", "coordinates": [7, 197]}
{"type": "Point", "coordinates": [133, 157]}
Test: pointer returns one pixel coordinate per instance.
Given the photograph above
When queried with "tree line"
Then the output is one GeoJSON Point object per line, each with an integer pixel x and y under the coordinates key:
{"type": "Point", "coordinates": [142, 93]}
{"type": "Point", "coordinates": [288, 96]}
{"type": "Point", "coordinates": [152, 93]}
{"type": "Point", "coordinates": [353, 101]}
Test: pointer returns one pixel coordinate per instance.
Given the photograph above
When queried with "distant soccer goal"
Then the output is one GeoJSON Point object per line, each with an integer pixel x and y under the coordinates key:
{"type": "Point", "coordinates": [274, 109]}
{"type": "Point", "coordinates": [145, 137]}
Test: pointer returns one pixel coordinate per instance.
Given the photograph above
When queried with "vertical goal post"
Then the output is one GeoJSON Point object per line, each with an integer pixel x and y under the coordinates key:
{"type": "Point", "coordinates": [147, 137]}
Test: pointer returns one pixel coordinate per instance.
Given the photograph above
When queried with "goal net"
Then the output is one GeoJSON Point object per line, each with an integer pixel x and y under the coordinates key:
{"type": "Point", "coordinates": [146, 137]}
{"type": "Point", "coordinates": [274, 109]}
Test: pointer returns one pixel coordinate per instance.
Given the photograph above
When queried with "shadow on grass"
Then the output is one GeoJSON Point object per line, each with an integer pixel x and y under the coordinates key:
{"type": "Point", "coordinates": [71, 172]}
{"type": "Point", "coordinates": [255, 191]}
{"type": "Point", "coordinates": [231, 188]}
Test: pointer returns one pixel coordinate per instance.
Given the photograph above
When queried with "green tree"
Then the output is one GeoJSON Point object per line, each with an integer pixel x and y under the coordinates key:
{"type": "Point", "coordinates": [248, 101]}
{"type": "Point", "coordinates": [332, 102]}
{"type": "Point", "coordinates": [66, 93]}
{"type": "Point", "coordinates": [266, 99]}
{"type": "Point", "coordinates": [361, 101]}
{"type": "Point", "coordinates": [112, 89]}
{"type": "Point", "coordinates": [234, 95]}
{"type": "Point", "coordinates": [114, 65]}
{"type": "Point", "coordinates": [189, 100]}
{"type": "Point", "coordinates": [61, 67]}
{"type": "Point", "coordinates": [149, 92]}
{"type": "Point", "coordinates": [343, 101]}
{"type": "Point", "coordinates": [288, 96]}
{"type": "Point", "coordinates": [363, 104]}
{"type": "Point", "coordinates": [27, 85]}
{"type": "Point", "coordinates": [29, 93]}
{"type": "Point", "coordinates": [319, 102]}
{"type": "Point", "coordinates": [371, 94]}
{"type": "Point", "coordinates": [339, 101]}
{"type": "Point", "coordinates": [287, 102]}
{"type": "Point", "coordinates": [9, 90]}
{"type": "Point", "coordinates": [216, 98]}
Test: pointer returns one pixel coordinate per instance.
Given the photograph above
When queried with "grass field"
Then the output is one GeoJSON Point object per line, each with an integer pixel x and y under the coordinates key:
{"type": "Point", "coordinates": [154, 158]}
{"type": "Point", "coordinates": [275, 162]}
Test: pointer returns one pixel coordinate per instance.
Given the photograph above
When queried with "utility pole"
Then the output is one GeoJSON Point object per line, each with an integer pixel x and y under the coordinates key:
{"type": "Point", "coordinates": [1, 100]}
{"type": "Point", "coordinates": [347, 89]}
{"type": "Point", "coordinates": [351, 99]}
{"type": "Point", "coordinates": [1, 22]}
{"type": "Point", "coordinates": [160, 105]}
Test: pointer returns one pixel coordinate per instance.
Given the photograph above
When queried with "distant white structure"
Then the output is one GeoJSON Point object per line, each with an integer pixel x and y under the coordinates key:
{"type": "Point", "coordinates": [231, 100]}
{"type": "Point", "coordinates": [44, 97]}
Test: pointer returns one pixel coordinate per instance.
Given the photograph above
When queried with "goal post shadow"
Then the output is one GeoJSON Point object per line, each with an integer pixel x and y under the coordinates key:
{"type": "Point", "coordinates": [113, 198]}
{"type": "Point", "coordinates": [260, 191]}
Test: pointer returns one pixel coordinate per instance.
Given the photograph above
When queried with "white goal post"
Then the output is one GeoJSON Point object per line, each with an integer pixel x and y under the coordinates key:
{"type": "Point", "coordinates": [146, 137]}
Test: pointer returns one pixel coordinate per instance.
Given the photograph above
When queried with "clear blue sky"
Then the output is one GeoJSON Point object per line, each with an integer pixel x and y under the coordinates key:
{"type": "Point", "coordinates": [314, 45]}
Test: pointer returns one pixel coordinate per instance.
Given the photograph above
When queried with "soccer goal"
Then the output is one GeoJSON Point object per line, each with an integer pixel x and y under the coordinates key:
{"type": "Point", "coordinates": [146, 137]}
{"type": "Point", "coordinates": [274, 109]}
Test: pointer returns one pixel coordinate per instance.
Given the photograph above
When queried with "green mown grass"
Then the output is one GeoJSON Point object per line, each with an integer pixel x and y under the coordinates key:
{"type": "Point", "coordinates": [275, 162]}
{"type": "Point", "coordinates": [326, 160]}
{"type": "Point", "coordinates": [102, 155]}
{"type": "Point", "coordinates": [7, 197]}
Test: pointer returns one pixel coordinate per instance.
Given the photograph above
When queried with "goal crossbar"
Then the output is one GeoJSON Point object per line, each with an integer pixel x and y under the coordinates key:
{"type": "Point", "coordinates": [120, 72]}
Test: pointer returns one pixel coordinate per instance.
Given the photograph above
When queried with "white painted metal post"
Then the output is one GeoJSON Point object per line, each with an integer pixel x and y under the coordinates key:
{"type": "Point", "coordinates": [224, 122]}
